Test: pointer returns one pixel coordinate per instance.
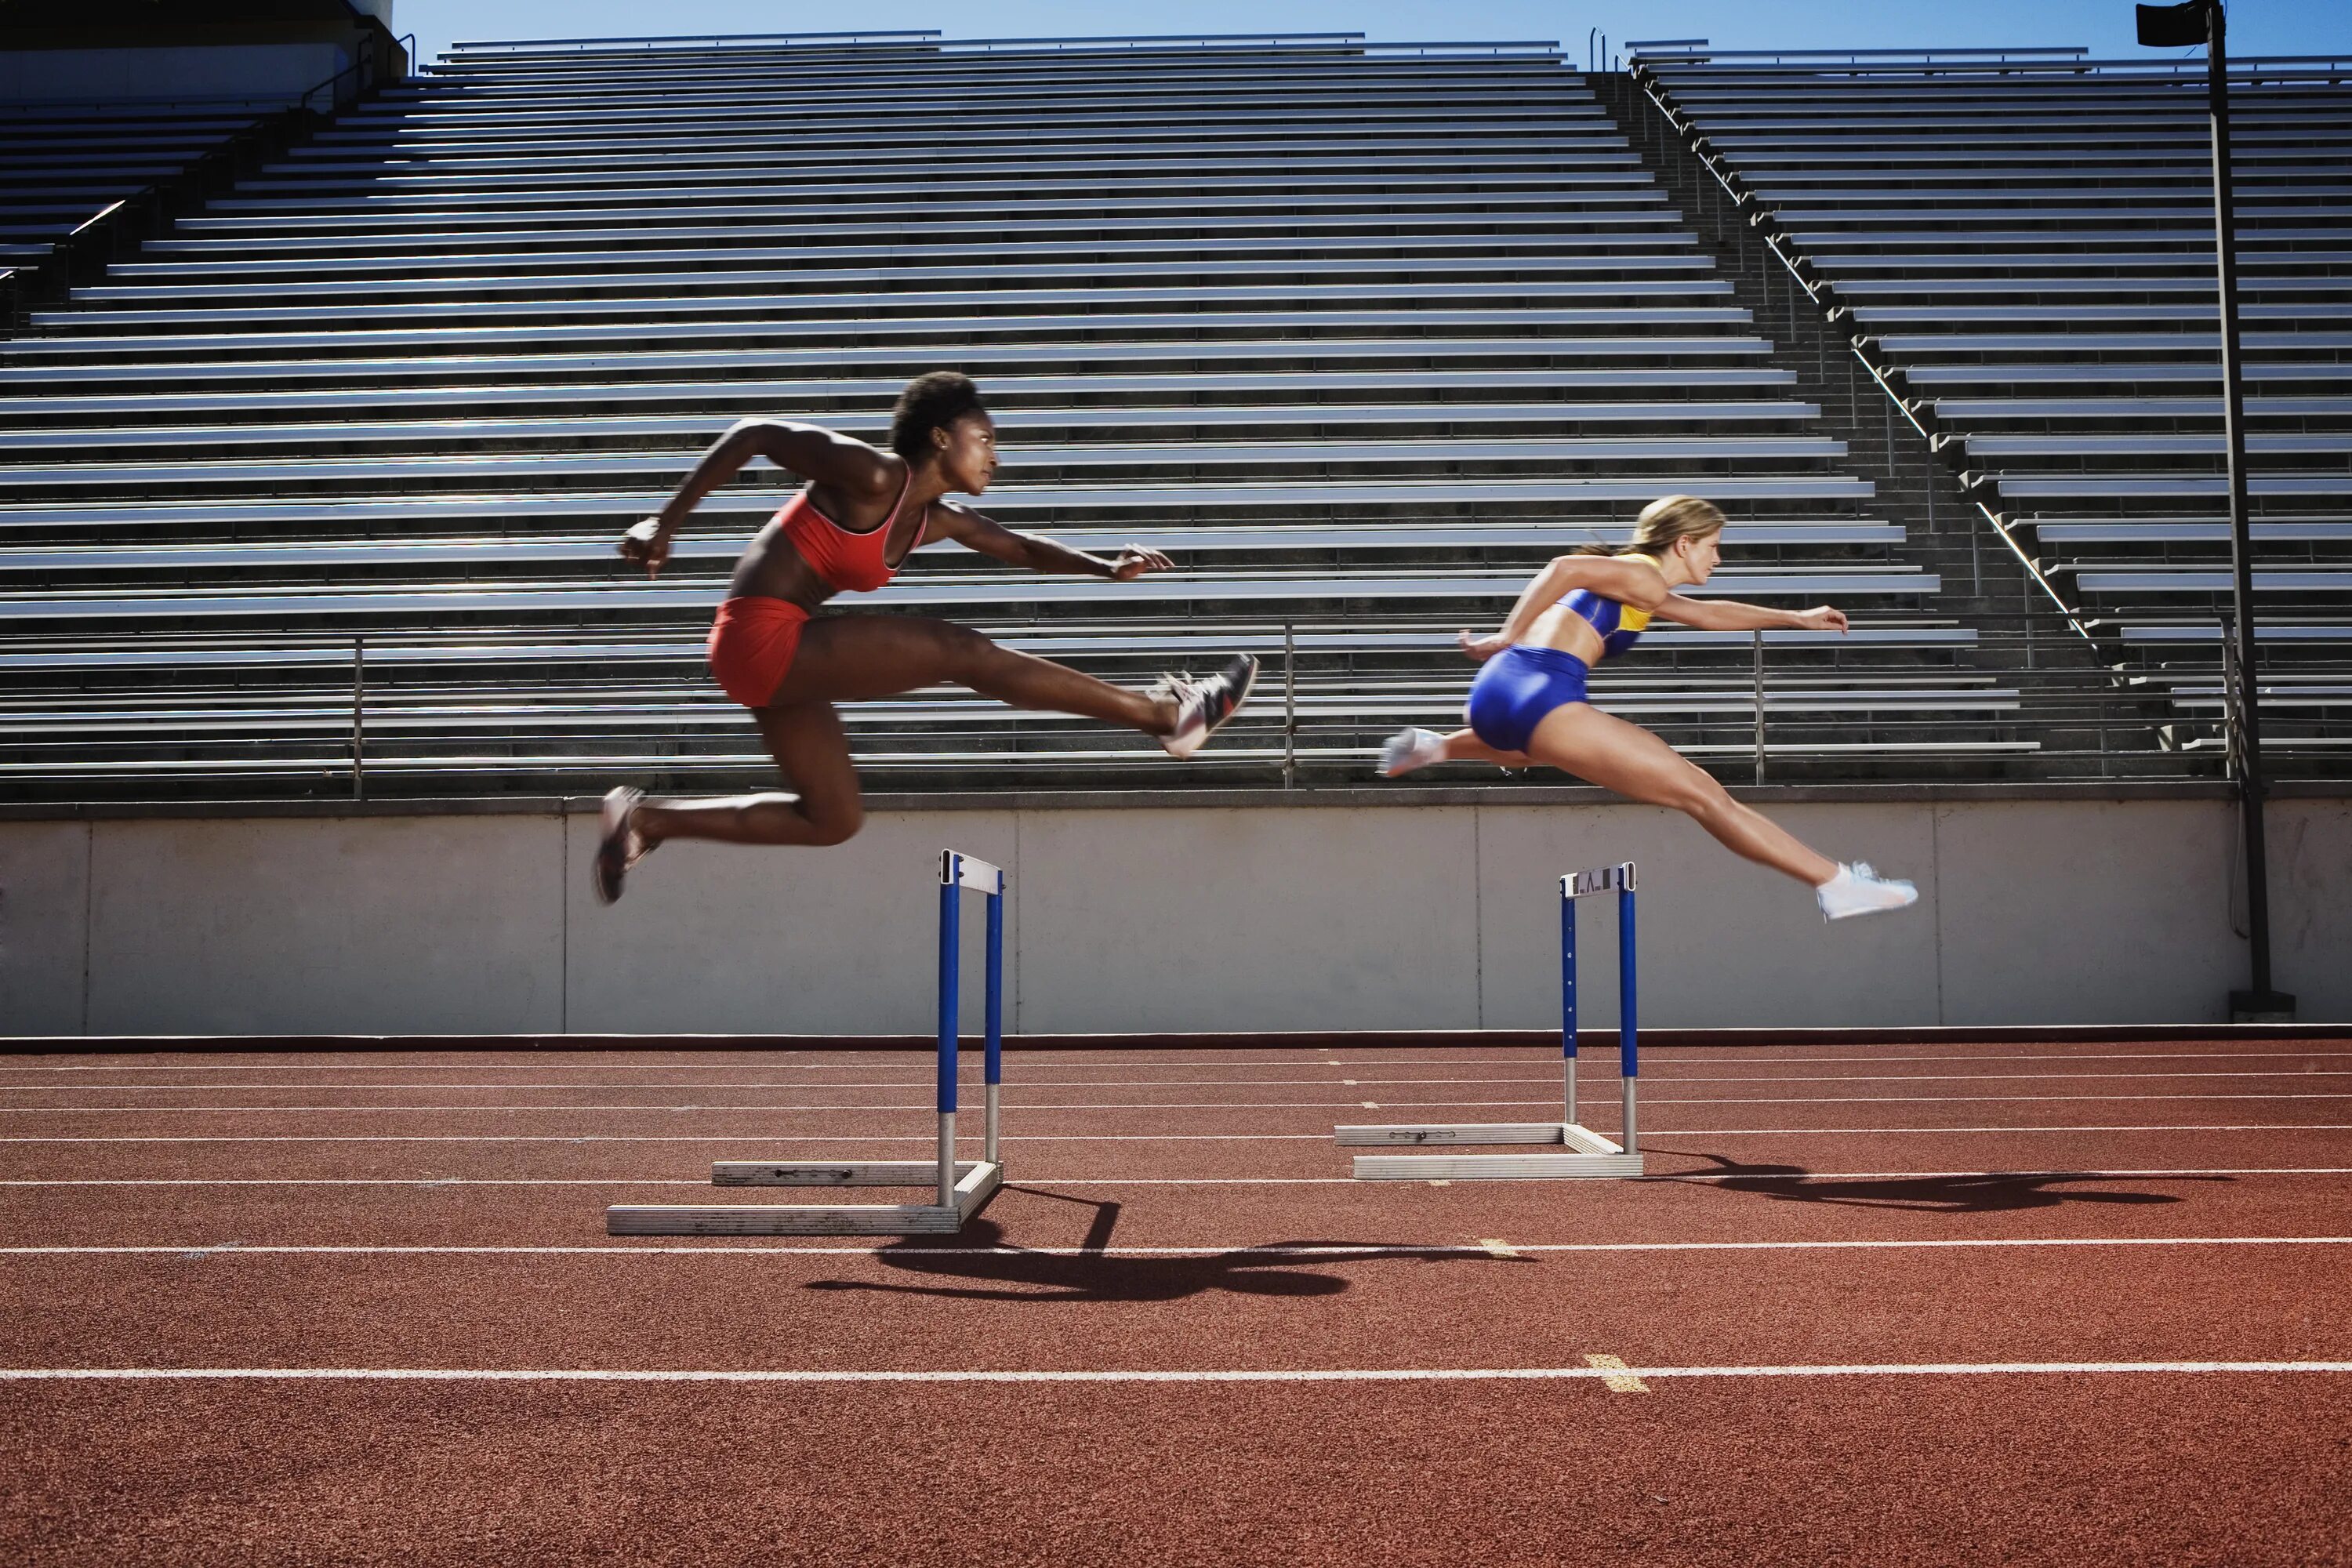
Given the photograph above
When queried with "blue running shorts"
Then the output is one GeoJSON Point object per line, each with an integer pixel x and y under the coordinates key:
{"type": "Point", "coordinates": [1516, 689]}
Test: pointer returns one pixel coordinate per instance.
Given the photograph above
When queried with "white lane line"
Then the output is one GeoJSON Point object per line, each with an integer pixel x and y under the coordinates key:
{"type": "Point", "coordinates": [1316, 1374]}
{"type": "Point", "coordinates": [1615, 1376]}
{"type": "Point", "coordinates": [1776, 1176]}
{"type": "Point", "coordinates": [1490, 1247]}
{"type": "Point", "coordinates": [1650, 1136]}
{"type": "Point", "coordinates": [1488, 1080]}
{"type": "Point", "coordinates": [1122, 1061]}
{"type": "Point", "coordinates": [1025, 1105]}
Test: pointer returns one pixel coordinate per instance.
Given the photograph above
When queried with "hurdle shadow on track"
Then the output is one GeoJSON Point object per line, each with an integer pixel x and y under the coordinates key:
{"type": "Point", "coordinates": [1092, 1274]}
{"type": "Point", "coordinates": [1979, 1192]}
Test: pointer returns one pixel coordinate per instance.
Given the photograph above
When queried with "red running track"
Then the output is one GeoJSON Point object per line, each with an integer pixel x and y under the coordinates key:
{"type": "Point", "coordinates": [2075, 1303]}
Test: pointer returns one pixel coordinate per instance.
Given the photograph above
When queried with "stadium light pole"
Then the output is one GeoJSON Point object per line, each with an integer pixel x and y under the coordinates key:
{"type": "Point", "coordinates": [2184, 27]}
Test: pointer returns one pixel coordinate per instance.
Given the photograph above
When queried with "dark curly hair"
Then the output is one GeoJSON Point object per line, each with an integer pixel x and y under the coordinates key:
{"type": "Point", "coordinates": [932, 401]}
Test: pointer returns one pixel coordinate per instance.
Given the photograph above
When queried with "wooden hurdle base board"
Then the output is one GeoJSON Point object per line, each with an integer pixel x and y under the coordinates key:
{"type": "Point", "coordinates": [976, 1183]}
{"type": "Point", "coordinates": [1584, 1153]}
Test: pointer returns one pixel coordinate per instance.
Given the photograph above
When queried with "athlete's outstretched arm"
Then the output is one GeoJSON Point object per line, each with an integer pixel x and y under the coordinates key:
{"type": "Point", "coordinates": [976, 530]}
{"type": "Point", "coordinates": [1632, 583]}
{"type": "Point", "coordinates": [1732, 616]}
{"type": "Point", "coordinates": [841, 462]}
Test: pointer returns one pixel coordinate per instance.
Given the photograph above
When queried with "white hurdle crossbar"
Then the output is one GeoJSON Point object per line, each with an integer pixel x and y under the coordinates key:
{"type": "Point", "coordinates": [963, 1188]}
{"type": "Point", "coordinates": [1585, 1153]}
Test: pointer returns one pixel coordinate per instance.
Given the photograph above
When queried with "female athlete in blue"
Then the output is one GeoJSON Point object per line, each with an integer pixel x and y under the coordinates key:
{"type": "Point", "coordinates": [1528, 704]}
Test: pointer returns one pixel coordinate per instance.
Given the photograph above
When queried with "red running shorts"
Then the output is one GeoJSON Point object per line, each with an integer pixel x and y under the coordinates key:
{"type": "Point", "coordinates": [751, 646]}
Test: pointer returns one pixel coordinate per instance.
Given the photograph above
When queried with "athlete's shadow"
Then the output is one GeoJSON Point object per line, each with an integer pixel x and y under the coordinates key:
{"type": "Point", "coordinates": [1983, 1192]}
{"type": "Point", "coordinates": [980, 1265]}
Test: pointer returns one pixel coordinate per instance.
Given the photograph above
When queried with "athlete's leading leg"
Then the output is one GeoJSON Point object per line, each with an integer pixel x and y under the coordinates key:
{"type": "Point", "coordinates": [1577, 738]}
{"type": "Point", "coordinates": [854, 658]}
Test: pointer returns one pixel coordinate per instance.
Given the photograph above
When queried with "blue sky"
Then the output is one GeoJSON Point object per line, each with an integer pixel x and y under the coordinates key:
{"type": "Point", "coordinates": [2256, 27]}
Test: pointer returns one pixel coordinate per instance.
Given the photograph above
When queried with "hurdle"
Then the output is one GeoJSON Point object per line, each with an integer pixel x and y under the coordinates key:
{"type": "Point", "coordinates": [1585, 1153]}
{"type": "Point", "coordinates": [964, 1187]}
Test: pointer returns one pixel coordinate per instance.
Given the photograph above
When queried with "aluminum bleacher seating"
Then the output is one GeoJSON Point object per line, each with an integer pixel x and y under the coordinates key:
{"type": "Point", "coordinates": [2024, 241]}
{"type": "Point", "coordinates": [1360, 334]}
{"type": "Point", "coordinates": [64, 166]}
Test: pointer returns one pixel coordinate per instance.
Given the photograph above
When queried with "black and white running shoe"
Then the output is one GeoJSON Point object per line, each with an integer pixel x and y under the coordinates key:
{"type": "Point", "coordinates": [1202, 706]}
{"type": "Point", "coordinates": [620, 846]}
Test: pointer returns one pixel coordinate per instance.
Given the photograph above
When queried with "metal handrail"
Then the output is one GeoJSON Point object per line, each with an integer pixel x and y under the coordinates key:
{"type": "Point", "coordinates": [931, 38]}
{"type": "Point", "coordinates": [1823, 301]}
{"type": "Point", "coordinates": [1195, 40]}
{"type": "Point", "coordinates": [1906, 61]}
{"type": "Point", "coordinates": [1289, 704]}
{"type": "Point", "coordinates": [359, 718]}
{"type": "Point", "coordinates": [1833, 55]}
{"type": "Point", "coordinates": [493, 46]}
{"type": "Point", "coordinates": [1759, 706]}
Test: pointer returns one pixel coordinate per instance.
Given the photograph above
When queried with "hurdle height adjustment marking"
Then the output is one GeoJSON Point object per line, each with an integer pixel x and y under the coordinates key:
{"type": "Point", "coordinates": [1586, 1152]}
{"type": "Point", "coordinates": [963, 1188]}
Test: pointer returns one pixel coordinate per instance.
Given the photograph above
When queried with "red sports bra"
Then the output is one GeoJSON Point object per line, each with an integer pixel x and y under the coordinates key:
{"type": "Point", "coordinates": [852, 563]}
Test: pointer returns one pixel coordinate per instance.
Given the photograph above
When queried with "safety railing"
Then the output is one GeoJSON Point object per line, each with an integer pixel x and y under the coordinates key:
{"type": "Point", "coordinates": [359, 718]}
{"type": "Point", "coordinates": [1785, 719]}
{"type": "Point", "coordinates": [931, 41]}
{"type": "Point", "coordinates": [1692, 51]}
{"type": "Point", "coordinates": [492, 48]}
{"type": "Point", "coordinates": [1735, 214]}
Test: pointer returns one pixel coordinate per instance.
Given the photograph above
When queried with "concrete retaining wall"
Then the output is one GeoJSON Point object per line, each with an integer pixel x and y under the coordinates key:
{"type": "Point", "coordinates": [1183, 917]}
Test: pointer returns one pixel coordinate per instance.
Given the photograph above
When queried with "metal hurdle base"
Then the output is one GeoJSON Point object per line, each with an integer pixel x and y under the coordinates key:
{"type": "Point", "coordinates": [960, 1188]}
{"type": "Point", "coordinates": [976, 1183]}
{"type": "Point", "coordinates": [1586, 1154]}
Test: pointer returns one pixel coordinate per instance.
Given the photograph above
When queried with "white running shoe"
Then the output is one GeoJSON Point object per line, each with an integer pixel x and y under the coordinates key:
{"type": "Point", "coordinates": [621, 846]}
{"type": "Point", "coordinates": [1857, 889]}
{"type": "Point", "coordinates": [1203, 706]}
{"type": "Point", "coordinates": [1411, 748]}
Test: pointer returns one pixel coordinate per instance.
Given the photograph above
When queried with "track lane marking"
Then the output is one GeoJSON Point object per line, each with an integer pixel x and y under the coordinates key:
{"type": "Point", "coordinates": [1486, 1247]}
{"type": "Point", "coordinates": [927, 1140]}
{"type": "Point", "coordinates": [1328, 1374]}
{"type": "Point", "coordinates": [292, 1061]}
{"type": "Point", "coordinates": [1049, 1181]}
{"type": "Point", "coordinates": [1125, 1082]}
{"type": "Point", "coordinates": [1220, 1106]}
{"type": "Point", "coordinates": [1615, 1376]}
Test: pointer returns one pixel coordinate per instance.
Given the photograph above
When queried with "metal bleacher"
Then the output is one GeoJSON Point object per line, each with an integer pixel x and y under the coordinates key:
{"type": "Point", "coordinates": [64, 164]}
{"type": "Point", "coordinates": [2022, 242]}
{"type": "Point", "coordinates": [1360, 333]}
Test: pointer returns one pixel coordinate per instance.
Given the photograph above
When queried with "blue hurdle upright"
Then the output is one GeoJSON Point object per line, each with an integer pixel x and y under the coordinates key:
{"type": "Point", "coordinates": [1584, 1152]}
{"type": "Point", "coordinates": [963, 1187]}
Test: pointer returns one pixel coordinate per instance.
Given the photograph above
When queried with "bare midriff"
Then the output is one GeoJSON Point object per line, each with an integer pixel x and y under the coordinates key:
{"type": "Point", "coordinates": [1562, 630]}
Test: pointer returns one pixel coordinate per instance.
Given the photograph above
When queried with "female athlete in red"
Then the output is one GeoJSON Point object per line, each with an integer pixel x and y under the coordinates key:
{"type": "Point", "coordinates": [863, 513]}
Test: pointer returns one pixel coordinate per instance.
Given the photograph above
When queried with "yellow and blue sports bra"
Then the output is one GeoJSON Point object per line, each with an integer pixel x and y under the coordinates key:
{"type": "Point", "coordinates": [1620, 625]}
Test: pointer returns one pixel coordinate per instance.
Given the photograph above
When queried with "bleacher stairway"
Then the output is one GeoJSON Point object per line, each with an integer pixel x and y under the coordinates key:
{"type": "Point", "coordinates": [1360, 334]}
{"type": "Point", "coordinates": [2021, 243]}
